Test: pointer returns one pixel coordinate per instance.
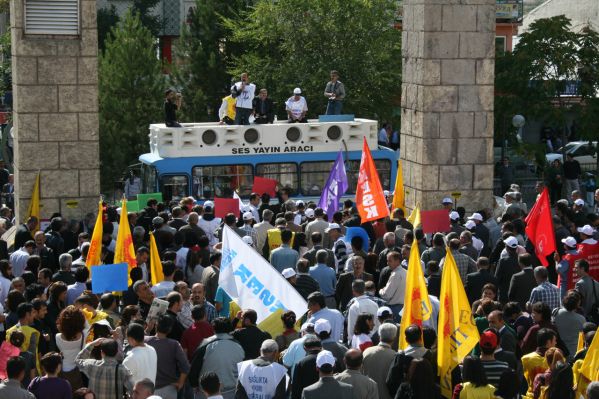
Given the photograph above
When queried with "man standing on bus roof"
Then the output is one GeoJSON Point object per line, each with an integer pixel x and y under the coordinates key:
{"type": "Point", "coordinates": [296, 107]}
{"type": "Point", "coordinates": [335, 92]}
{"type": "Point", "coordinates": [172, 102]}
{"type": "Point", "coordinates": [264, 110]}
{"type": "Point", "coordinates": [243, 91]}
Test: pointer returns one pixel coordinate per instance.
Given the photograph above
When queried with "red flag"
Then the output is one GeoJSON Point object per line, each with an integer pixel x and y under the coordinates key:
{"type": "Point", "coordinates": [370, 198]}
{"type": "Point", "coordinates": [539, 228]}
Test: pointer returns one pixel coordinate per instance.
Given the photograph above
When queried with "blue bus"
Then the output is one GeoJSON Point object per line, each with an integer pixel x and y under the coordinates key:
{"type": "Point", "coordinates": [207, 161]}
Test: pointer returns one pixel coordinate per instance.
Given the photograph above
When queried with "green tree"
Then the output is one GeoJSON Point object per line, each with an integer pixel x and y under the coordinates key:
{"type": "Point", "coordinates": [202, 55]}
{"type": "Point", "coordinates": [108, 18]}
{"type": "Point", "coordinates": [296, 43]}
{"type": "Point", "coordinates": [130, 85]}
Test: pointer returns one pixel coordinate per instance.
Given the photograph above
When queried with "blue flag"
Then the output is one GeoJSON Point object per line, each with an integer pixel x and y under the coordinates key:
{"type": "Point", "coordinates": [334, 189]}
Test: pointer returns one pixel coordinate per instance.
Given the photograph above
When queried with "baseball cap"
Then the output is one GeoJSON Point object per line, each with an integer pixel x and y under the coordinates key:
{"type": "Point", "coordinates": [158, 221]}
{"type": "Point", "coordinates": [511, 242]}
{"type": "Point", "coordinates": [586, 230]}
{"type": "Point", "coordinates": [309, 213]}
{"type": "Point", "coordinates": [470, 225]}
{"type": "Point", "coordinates": [297, 90]}
{"type": "Point", "coordinates": [322, 325]}
{"type": "Point", "coordinates": [384, 311]}
{"type": "Point", "coordinates": [208, 204]}
{"type": "Point", "coordinates": [299, 203]}
{"type": "Point", "coordinates": [488, 340]}
{"type": "Point", "coordinates": [245, 208]}
{"type": "Point", "coordinates": [248, 216]}
{"type": "Point", "coordinates": [447, 200]}
{"type": "Point", "coordinates": [569, 241]}
{"type": "Point", "coordinates": [325, 357]}
{"type": "Point", "coordinates": [386, 193]}
{"type": "Point", "coordinates": [306, 326]}
{"type": "Point", "coordinates": [579, 202]}
{"type": "Point", "coordinates": [248, 240]}
{"type": "Point", "coordinates": [454, 215]}
{"type": "Point", "coordinates": [332, 226]}
{"type": "Point", "coordinates": [288, 273]}
{"type": "Point", "coordinates": [476, 216]}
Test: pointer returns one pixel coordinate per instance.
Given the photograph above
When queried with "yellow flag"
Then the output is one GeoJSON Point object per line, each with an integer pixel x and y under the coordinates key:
{"type": "Point", "coordinates": [94, 255]}
{"type": "Point", "coordinates": [414, 217]}
{"type": "Point", "coordinates": [124, 251]}
{"type": "Point", "coordinates": [155, 264]}
{"type": "Point", "coordinates": [273, 323]}
{"type": "Point", "coordinates": [417, 305]}
{"type": "Point", "coordinates": [399, 198]}
{"type": "Point", "coordinates": [457, 333]}
{"type": "Point", "coordinates": [590, 365]}
{"type": "Point", "coordinates": [580, 344]}
{"type": "Point", "coordinates": [34, 204]}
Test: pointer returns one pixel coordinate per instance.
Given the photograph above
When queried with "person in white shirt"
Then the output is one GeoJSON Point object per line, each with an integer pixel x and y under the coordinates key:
{"type": "Point", "coordinates": [163, 288]}
{"type": "Point", "coordinates": [394, 291]}
{"type": "Point", "coordinates": [244, 93]}
{"type": "Point", "coordinates": [141, 360]}
{"type": "Point", "coordinates": [18, 259]}
{"type": "Point", "coordinates": [361, 304]}
{"type": "Point", "coordinates": [296, 107]}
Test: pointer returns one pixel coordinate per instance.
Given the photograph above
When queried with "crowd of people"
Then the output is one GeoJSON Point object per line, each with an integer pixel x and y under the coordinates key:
{"type": "Point", "coordinates": [61, 341]}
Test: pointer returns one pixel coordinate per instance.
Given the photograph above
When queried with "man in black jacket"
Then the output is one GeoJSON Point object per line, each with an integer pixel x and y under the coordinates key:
{"type": "Point", "coordinates": [507, 267]}
{"type": "Point", "coordinates": [264, 110]}
{"type": "Point", "coordinates": [24, 232]}
{"type": "Point", "coordinates": [477, 280]}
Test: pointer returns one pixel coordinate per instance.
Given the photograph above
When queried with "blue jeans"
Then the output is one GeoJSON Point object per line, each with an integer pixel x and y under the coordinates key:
{"type": "Point", "coordinates": [242, 116]}
{"type": "Point", "coordinates": [334, 107]}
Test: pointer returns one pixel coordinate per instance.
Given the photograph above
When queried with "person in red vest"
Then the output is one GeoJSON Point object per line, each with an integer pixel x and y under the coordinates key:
{"type": "Point", "coordinates": [565, 266]}
{"type": "Point", "coordinates": [589, 249]}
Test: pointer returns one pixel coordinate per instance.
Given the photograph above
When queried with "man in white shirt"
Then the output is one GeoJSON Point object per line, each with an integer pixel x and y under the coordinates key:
{"type": "Point", "coordinates": [19, 258]}
{"type": "Point", "coordinates": [141, 360]}
{"type": "Point", "coordinates": [163, 288]}
{"type": "Point", "coordinates": [361, 304]}
{"type": "Point", "coordinates": [244, 93]}
{"type": "Point", "coordinates": [394, 291]}
{"type": "Point", "coordinates": [296, 107]}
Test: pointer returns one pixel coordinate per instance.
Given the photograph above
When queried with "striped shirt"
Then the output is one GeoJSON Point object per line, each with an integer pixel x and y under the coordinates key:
{"type": "Point", "coordinates": [493, 370]}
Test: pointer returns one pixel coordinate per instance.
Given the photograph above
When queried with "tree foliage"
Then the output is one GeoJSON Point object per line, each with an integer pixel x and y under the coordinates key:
{"type": "Point", "coordinates": [131, 86]}
{"type": "Point", "coordinates": [108, 19]}
{"type": "Point", "coordinates": [296, 43]}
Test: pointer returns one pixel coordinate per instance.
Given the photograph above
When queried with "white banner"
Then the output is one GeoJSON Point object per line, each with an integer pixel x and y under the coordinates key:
{"type": "Point", "coordinates": [248, 278]}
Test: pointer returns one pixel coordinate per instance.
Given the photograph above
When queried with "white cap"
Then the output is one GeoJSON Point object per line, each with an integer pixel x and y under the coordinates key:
{"type": "Point", "coordinates": [384, 311]}
{"type": "Point", "coordinates": [309, 213]}
{"type": "Point", "coordinates": [332, 226]}
{"type": "Point", "coordinates": [447, 200]}
{"type": "Point", "coordinates": [297, 90]}
{"type": "Point", "coordinates": [579, 202]}
{"type": "Point", "coordinates": [299, 202]}
{"type": "Point", "coordinates": [288, 273]}
{"type": "Point", "coordinates": [569, 241]}
{"type": "Point", "coordinates": [305, 326]}
{"type": "Point", "coordinates": [470, 225]}
{"type": "Point", "coordinates": [325, 357]}
{"type": "Point", "coordinates": [453, 215]}
{"type": "Point", "coordinates": [248, 216]}
{"type": "Point", "coordinates": [511, 242]}
{"type": "Point", "coordinates": [322, 325]}
{"type": "Point", "coordinates": [586, 230]}
{"type": "Point", "coordinates": [208, 204]}
{"type": "Point", "coordinates": [248, 240]}
{"type": "Point", "coordinates": [245, 208]}
{"type": "Point", "coordinates": [476, 216]}
{"type": "Point", "coordinates": [386, 193]}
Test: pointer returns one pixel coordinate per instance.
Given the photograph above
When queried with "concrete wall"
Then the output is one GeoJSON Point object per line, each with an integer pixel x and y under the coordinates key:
{"type": "Point", "coordinates": [55, 86]}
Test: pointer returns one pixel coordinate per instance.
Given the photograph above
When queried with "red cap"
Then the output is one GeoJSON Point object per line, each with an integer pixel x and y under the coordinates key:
{"type": "Point", "coordinates": [488, 340]}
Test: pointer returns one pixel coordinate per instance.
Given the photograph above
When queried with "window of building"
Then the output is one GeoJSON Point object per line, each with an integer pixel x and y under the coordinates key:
{"type": "Point", "coordinates": [284, 173]}
{"type": "Point", "coordinates": [500, 44]}
{"type": "Point", "coordinates": [52, 17]}
{"type": "Point", "coordinates": [222, 180]}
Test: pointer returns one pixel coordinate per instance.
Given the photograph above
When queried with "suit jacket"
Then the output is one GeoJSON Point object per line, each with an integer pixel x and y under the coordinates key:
{"type": "Point", "coordinates": [22, 235]}
{"type": "Point", "coordinates": [363, 386]}
{"type": "Point", "coordinates": [177, 223]}
{"type": "Point", "coordinates": [343, 291]}
{"type": "Point", "coordinates": [269, 109]}
{"type": "Point", "coordinates": [8, 195]}
{"type": "Point", "coordinates": [310, 255]}
{"type": "Point", "coordinates": [506, 268]}
{"type": "Point", "coordinates": [508, 340]}
{"type": "Point", "coordinates": [476, 281]}
{"type": "Point", "coordinates": [521, 285]}
{"type": "Point", "coordinates": [329, 388]}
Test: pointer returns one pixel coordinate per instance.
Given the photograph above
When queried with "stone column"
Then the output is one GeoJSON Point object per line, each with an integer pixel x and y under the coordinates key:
{"type": "Point", "coordinates": [55, 113]}
{"type": "Point", "coordinates": [447, 101]}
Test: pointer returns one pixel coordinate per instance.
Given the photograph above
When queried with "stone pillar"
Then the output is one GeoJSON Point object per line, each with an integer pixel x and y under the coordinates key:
{"type": "Point", "coordinates": [447, 101]}
{"type": "Point", "coordinates": [55, 113]}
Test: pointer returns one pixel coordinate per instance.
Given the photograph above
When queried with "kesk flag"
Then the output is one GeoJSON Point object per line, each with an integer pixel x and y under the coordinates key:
{"type": "Point", "coordinates": [370, 198]}
{"type": "Point", "coordinates": [94, 255]}
{"type": "Point", "coordinates": [417, 305]}
{"type": "Point", "coordinates": [155, 264]}
{"type": "Point", "coordinates": [124, 251]}
{"type": "Point", "coordinates": [590, 365]}
{"type": "Point", "coordinates": [34, 203]}
{"type": "Point", "coordinates": [399, 195]}
{"type": "Point", "coordinates": [539, 228]}
{"type": "Point", "coordinates": [415, 217]}
{"type": "Point", "coordinates": [457, 333]}
{"type": "Point", "coordinates": [335, 188]}
{"type": "Point", "coordinates": [253, 282]}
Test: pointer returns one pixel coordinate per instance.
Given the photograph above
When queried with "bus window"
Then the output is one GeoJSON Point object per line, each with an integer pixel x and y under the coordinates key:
{"type": "Point", "coordinates": [148, 179]}
{"type": "Point", "coordinates": [383, 166]}
{"type": "Point", "coordinates": [221, 181]}
{"type": "Point", "coordinates": [314, 176]}
{"type": "Point", "coordinates": [284, 173]}
{"type": "Point", "coordinates": [174, 188]}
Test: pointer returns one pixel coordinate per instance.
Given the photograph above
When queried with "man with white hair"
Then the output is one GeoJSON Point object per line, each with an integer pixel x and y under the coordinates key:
{"type": "Point", "coordinates": [263, 376]}
{"type": "Point", "coordinates": [262, 228]}
{"type": "Point", "coordinates": [64, 274]}
{"type": "Point", "coordinates": [378, 359]}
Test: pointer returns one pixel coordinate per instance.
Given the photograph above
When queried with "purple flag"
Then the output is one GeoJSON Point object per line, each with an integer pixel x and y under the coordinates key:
{"type": "Point", "coordinates": [334, 189]}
